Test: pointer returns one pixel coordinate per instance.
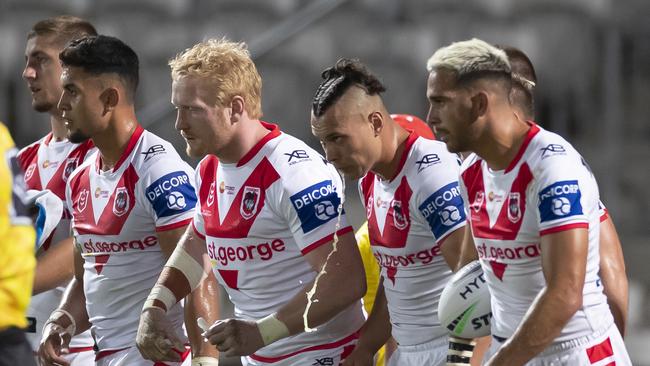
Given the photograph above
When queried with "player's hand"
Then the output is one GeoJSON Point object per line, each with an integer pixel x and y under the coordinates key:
{"type": "Point", "coordinates": [156, 339]}
{"type": "Point", "coordinates": [235, 337]}
{"type": "Point", "coordinates": [360, 357]}
{"type": "Point", "coordinates": [54, 342]}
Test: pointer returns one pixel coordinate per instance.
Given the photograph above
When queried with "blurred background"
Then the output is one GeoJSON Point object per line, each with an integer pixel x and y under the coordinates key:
{"type": "Point", "coordinates": [592, 59]}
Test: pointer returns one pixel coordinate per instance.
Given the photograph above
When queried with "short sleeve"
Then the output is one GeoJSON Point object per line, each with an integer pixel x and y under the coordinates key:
{"type": "Point", "coordinates": [169, 193]}
{"type": "Point", "coordinates": [438, 198]}
{"type": "Point", "coordinates": [562, 193]}
{"type": "Point", "coordinates": [309, 200]}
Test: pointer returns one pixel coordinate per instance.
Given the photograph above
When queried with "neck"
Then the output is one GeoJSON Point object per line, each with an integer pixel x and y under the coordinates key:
{"type": "Point", "coordinates": [248, 134]}
{"type": "Point", "coordinates": [393, 146]}
{"type": "Point", "coordinates": [59, 132]}
{"type": "Point", "coordinates": [501, 140]}
{"type": "Point", "coordinates": [113, 140]}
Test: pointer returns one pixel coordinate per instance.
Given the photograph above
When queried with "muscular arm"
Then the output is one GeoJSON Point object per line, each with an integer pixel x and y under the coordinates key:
{"type": "Point", "coordinates": [343, 267]}
{"type": "Point", "coordinates": [612, 273]}
{"type": "Point", "coordinates": [377, 329]}
{"type": "Point", "coordinates": [202, 302]}
{"type": "Point", "coordinates": [452, 247]}
{"type": "Point", "coordinates": [74, 299]}
{"type": "Point", "coordinates": [564, 263]}
{"type": "Point", "coordinates": [468, 251]}
{"type": "Point", "coordinates": [54, 267]}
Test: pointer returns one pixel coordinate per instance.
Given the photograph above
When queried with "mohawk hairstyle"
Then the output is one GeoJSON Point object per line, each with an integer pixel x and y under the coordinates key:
{"type": "Point", "coordinates": [339, 78]}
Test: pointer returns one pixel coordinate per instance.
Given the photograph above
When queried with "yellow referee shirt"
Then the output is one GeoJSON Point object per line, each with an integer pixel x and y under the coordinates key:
{"type": "Point", "coordinates": [17, 239]}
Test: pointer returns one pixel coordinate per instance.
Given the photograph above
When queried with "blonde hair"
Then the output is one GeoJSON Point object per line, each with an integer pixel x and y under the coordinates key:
{"type": "Point", "coordinates": [469, 57]}
{"type": "Point", "coordinates": [228, 65]}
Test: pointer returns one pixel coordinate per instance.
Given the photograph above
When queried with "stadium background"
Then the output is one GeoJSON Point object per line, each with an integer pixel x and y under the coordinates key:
{"type": "Point", "coordinates": [591, 58]}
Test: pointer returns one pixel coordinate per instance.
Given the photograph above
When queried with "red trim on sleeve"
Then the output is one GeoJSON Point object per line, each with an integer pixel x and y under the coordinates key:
{"type": "Point", "coordinates": [80, 349]}
{"type": "Point", "coordinates": [336, 344]}
{"type": "Point", "coordinates": [532, 131]}
{"type": "Point", "coordinates": [605, 215]}
{"type": "Point", "coordinates": [173, 226]}
{"type": "Point", "coordinates": [197, 231]}
{"type": "Point", "coordinates": [557, 229]}
{"type": "Point", "coordinates": [324, 240]}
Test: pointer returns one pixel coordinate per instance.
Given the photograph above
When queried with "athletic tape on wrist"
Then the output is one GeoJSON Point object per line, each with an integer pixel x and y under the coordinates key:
{"type": "Point", "coordinates": [205, 361]}
{"type": "Point", "coordinates": [183, 261]}
{"type": "Point", "coordinates": [272, 329]}
{"type": "Point", "coordinates": [72, 328]}
{"type": "Point", "coordinates": [162, 294]}
{"type": "Point", "coordinates": [460, 351]}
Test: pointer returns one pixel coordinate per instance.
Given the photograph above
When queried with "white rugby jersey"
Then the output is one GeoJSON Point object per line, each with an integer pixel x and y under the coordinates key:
{"type": "Point", "coordinates": [409, 218]}
{"type": "Point", "coordinates": [259, 217]}
{"type": "Point", "coordinates": [546, 189]}
{"type": "Point", "coordinates": [115, 217]}
{"type": "Point", "coordinates": [47, 164]}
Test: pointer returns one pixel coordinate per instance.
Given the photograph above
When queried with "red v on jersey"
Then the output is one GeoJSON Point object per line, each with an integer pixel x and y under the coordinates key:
{"type": "Point", "coordinates": [397, 222]}
{"type": "Point", "coordinates": [114, 214]}
{"type": "Point", "coordinates": [29, 163]}
{"type": "Point", "coordinates": [505, 227]}
{"type": "Point", "coordinates": [245, 207]}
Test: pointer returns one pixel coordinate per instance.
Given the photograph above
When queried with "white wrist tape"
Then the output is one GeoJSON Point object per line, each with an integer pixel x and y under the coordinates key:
{"type": "Point", "coordinates": [71, 329]}
{"type": "Point", "coordinates": [162, 294]}
{"type": "Point", "coordinates": [183, 261]}
{"type": "Point", "coordinates": [272, 329]}
{"type": "Point", "coordinates": [205, 361]}
{"type": "Point", "coordinates": [460, 351]}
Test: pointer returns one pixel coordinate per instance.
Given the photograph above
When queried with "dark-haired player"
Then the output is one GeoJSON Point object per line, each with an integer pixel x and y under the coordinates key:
{"type": "Point", "coordinates": [130, 202]}
{"type": "Point", "coordinates": [409, 186]}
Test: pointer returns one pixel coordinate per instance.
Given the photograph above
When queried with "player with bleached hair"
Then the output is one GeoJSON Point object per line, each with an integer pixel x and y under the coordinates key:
{"type": "Point", "coordinates": [267, 223]}
{"type": "Point", "coordinates": [532, 205]}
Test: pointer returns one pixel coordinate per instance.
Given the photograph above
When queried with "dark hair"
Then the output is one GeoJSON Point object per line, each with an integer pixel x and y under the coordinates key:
{"type": "Point", "coordinates": [337, 79]}
{"type": "Point", "coordinates": [524, 80]}
{"type": "Point", "coordinates": [102, 55]}
{"type": "Point", "coordinates": [65, 28]}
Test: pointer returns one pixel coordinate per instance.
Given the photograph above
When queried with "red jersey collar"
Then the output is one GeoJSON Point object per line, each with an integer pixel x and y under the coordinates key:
{"type": "Point", "coordinates": [133, 140]}
{"type": "Point", "coordinates": [274, 131]}
{"type": "Point", "coordinates": [532, 131]}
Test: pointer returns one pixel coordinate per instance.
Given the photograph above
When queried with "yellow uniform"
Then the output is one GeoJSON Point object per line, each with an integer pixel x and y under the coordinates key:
{"type": "Point", "coordinates": [372, 278]}
{"type": "Point", "coordinates": [17, 240]}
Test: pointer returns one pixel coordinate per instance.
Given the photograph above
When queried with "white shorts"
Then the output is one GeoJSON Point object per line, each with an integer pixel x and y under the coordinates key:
{"type": "Point", "coordinates": [604, 348]}
{"type": "Point", "coordinates": [432, 353]}
{"type": "Point", "coordinates": [131, 357]}
{"type": "Point", "coordinates": [323, 355]}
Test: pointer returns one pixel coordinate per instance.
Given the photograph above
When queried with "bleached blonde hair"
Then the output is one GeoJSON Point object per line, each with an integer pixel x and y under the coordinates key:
{"type": "Point", "coordinates": [226, 64]}
{"type": "Point", "coordinates": [470, 57]}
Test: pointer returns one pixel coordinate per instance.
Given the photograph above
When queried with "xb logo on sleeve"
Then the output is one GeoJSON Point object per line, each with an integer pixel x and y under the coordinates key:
{"type": "Point", "coordinates": [153, 151]}
{"type": "Point", "coordinates": [297, 156]}
{"type": "Point", "coordinates": [427, 161]}
{"type": "Point", "coordinates": [553, 149]}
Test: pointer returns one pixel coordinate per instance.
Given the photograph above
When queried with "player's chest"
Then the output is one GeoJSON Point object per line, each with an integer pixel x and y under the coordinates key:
{"type": "Point", "coordinates": [239, 205]}
{"type": "Point", "coordinates": [51, 168]}
{"type": "Point", "coordinates": [502, 206]}
{"type": "Point", "coordinates": [104, 203]}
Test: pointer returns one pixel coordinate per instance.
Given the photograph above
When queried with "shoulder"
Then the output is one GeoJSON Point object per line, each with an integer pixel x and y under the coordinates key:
{"type": "Point", "coordinates": [551, 153]}
{"type": "Point", "coordinates": [156, 155]}
{"type": "Point", "coordinates": [294, 160]}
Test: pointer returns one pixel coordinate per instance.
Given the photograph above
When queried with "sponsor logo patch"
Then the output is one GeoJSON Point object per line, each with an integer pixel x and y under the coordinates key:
{"type": "Point", "coordinates": [560, 200]}
{"type": "Point", "coordinates": [171, 194]}
{"type": "Point", "coordinates": [316, 205]}
{"type": "Point", "coordinates": [443, 209]}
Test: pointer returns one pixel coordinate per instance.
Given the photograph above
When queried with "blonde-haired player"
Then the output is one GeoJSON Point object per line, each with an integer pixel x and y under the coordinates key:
{"type": "Point", "coordinates": [266, 224]}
